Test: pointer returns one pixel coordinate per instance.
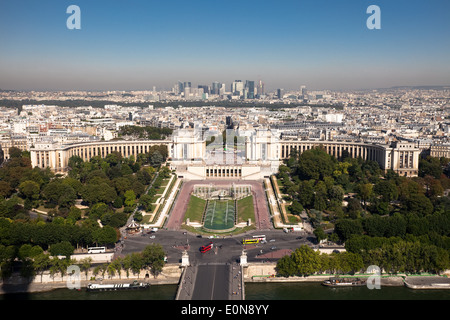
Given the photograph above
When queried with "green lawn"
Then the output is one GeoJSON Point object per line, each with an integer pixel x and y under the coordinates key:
{"type": "Point", "coordinates": [195, 209]}
{"type": "Point", "coordinates": [245, 209]}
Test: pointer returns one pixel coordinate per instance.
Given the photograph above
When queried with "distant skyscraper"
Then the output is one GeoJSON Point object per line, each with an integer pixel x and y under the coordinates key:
{"type": "Point", "coordinates": [250, 86]}
{"type": "Point", "coordinates": [205, 88]}
{"type": "Point", "coordinates": [180, 87]}
{"type": "Point", "coordinates": [304, 92]}
{"type": "Point", "coordinates": [237, 87]}
{"type": "Point", "coordinates": [187, 84]}
{"type": "Point", "coordinates": [260, 89]}
{"type": "Point", "coordinates": [215, 87]}
{"type": "Point", "coordinates": [222, 89]}
{"type": "Point", "coordinates": [280, 93]}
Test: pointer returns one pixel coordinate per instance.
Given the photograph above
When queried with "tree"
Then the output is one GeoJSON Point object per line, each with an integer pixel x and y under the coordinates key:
{"type": "Point", "coordinates": [29, 189]}
{"type": "Point", "coordinates": [58, 193]}
{"type": "Point", "coordinates": [418, 204]}
{"type": "Point", "coordinates": [5, 189]}
{"type": "Point", "coordinates": [306, 260]}
{"type": "Point", "coordinates": [336, 193]}
{"type": "Point", "coordinates": [126, 169]}
{"type": "Point", "coordinates": [315, 164]}
{"type": "Point", "coordinates": [146, 201]}
{"type": "Point", "coordinates": [114, 219]}
{"type": "Point", "coordinates": [15, 152]}
{"type": "Point", "coordinates": [286, 266]}
{"type": "Point", "coordinates": [63, 248]}
{"type": "Point", "coordinates": [365, 191]}
{"type": "Point", "coordinates": [430, 166]}
{"type": "Point", "coordinates": [106, 235]}
{"type": "Point", "coordinates": [122, 185]}
{"type": "Point", "coordinates": [345, 228]}
{"type": "Point", "coordinates": [386, 189]}
{"type": "Point", "coordinates": [98, 210]}
{"type": "Point", "coordinates": [113, 158]}
{"type": "Point", "coordinates": [296, 208]}
{"type": "Point", "coordinates": [156, 159]}
{"type": "Point", "coordinates": [351, 262]}
{"type": "Point", "coordinates": [118, 203]}
{"type": "Point", "coordinates": [320, 234]}
{"type": "Point", "coordinates": [74, 214]}
{"type": "Point", "coordinates": [85, 265]}
{"type": "Point", "coordinates": [27, 251]}
{"type": "Point", "coordinates": [136, 262]}
{"type": "Point", "coordinates": [41, 263]}
{"type": "Point", "coordinates": [306, 193]}
{"type": "Point", "coordinates": [375, 226]}
{"type": "Point", "coordinates": [320, 196]}
{"type": "Point", "coordinates": [116, 264]}
{"type": "Point", "coordinates": [93, 193]}
{"type": "Point", "coordinates": [433, 187]}
{"type": "Point", "coordinates": [354, 208]}
{"type": "Point", "coordinates": [130, 198]}
{"type": "Point", "coordinates": [153, 258]}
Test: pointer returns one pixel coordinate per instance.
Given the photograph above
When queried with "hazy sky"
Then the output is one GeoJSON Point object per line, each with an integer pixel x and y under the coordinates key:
{"type": "Point", "coordinates": [125, 45]}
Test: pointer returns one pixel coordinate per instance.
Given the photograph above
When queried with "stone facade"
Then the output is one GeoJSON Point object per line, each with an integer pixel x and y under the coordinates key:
{"type": "Point", "coordinates": [257, 157]}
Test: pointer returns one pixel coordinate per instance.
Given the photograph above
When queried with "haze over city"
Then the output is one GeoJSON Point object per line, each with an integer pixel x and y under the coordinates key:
{"type": "Point", "coordinates": [136, 45]}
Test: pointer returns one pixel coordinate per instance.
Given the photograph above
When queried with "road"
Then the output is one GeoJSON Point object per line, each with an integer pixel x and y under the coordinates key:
{"type": "Point", "coordinates": [226, 249]}
{"type": "Point", "coordinates": [210, 286]}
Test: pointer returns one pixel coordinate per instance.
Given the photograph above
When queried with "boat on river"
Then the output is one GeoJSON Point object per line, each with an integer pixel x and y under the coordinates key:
{"type": "Point", "coordinates": [117, 286]}
{"type": "Point", "coordinates": [344, 282]}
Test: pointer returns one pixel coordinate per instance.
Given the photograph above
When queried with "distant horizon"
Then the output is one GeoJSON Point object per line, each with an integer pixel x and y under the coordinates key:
{"type": "Point", "coordinates": [138, 44]}
{"type": "Point", "coordinates": [424, 86]}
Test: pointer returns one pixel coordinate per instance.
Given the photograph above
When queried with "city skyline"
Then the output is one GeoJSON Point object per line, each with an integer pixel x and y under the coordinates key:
{"type": "Point", "coordinates": [142, 44]}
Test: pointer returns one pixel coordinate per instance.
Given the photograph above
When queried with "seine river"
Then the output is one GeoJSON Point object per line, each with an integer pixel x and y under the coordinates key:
{"type": "Point", "coordinates": [253, 291]}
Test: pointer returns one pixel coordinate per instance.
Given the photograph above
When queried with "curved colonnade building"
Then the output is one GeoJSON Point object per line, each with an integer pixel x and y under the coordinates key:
{"type": "Point", "coordinates": [402, 157]}
{"type": "Point", "coordinates": [56, 156]}
{"type": "Point", "coordinates": [259, 154]}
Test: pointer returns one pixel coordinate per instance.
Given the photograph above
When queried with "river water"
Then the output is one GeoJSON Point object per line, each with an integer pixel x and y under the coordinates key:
{"type": "Point", "coordinates": [253, 291]}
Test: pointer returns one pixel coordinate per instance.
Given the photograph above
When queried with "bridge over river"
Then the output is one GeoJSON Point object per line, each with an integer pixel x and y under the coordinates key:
{"type": "Point", "coordinates": [212, 281]}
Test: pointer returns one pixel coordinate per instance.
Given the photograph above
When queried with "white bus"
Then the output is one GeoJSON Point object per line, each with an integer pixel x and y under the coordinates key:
{"type": "Point", "coordinates": [261, 238]}
{"type": "Point", "coordinates": [96, 249]}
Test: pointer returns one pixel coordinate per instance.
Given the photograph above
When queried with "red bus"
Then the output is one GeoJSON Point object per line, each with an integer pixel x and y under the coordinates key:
{"type": "Point", "coordinates": [206, 248]}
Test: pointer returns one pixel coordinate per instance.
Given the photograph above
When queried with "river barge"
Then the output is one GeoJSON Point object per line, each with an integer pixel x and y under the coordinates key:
{"type": "Point", "coordinates": [344, 282]}
{"type": "Point", "coordinates": [117, 286]}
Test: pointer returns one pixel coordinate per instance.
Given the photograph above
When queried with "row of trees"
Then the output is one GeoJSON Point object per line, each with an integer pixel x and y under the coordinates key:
{"type": "Point", "coordinates": [148, 199]}
{"type": "Point", "coordinates": [109, 188]}
{"type": "Point", "coordinates": [316, 180]}
{"type": "Point", "coordinates": [151, 133]}
{"type": "Point", "coordinates": [46, 234]}
{"type": "Point", "coordinates": [355, 199]}
{"type": "Point", "coordinates": [397, 256]}
{"type": "Point", "coordinates": [35, 261]}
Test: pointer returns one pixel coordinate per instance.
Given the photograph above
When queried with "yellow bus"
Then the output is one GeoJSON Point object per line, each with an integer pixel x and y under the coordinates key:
{"type": "Point", "coordinates": [248, 241]}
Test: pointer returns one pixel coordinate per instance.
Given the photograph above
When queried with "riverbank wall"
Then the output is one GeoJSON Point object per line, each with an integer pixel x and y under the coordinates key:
{"type": "Point", "coordinates": [171, 274]}
{"type": "Point", "coordinates": [266, 272]}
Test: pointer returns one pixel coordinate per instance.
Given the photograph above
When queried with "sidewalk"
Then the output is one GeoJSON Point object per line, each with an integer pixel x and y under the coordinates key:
{"type": "Point", "coordinates": [166, 206]}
